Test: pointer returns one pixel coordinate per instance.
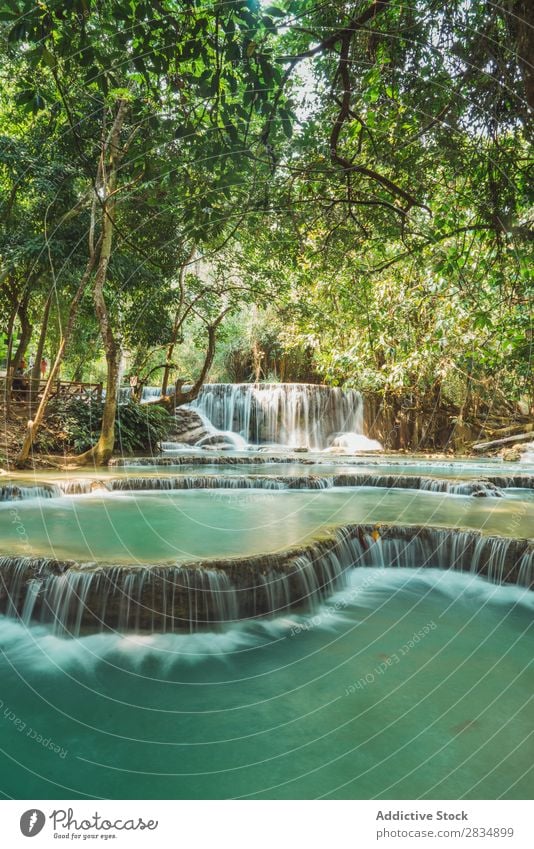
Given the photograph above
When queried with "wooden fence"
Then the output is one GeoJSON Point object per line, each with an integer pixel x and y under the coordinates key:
{"type": "Point", "coordinates": [64, 389]}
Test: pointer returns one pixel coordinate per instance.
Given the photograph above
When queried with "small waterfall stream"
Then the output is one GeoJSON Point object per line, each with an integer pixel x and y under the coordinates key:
{"type": "Point", "coordinates": [76, 599]}
{"type": "Point", "coordinates": [20, 492]}
{"type": "Point", "coordinates": [493, 486]}
{"type": "Point", "coordinates": [150, 393]}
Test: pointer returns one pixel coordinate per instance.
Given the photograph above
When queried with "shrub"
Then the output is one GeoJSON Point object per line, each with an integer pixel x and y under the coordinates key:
{"type": "Point", "coordinates": [74, 426]}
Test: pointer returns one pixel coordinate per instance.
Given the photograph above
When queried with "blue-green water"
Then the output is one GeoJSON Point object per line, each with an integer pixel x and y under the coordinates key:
{"type": "Point", "coordinates": [176, 525]}
{"type": "Point", "coordinates": [405, 685]}
{"type": "Point", "coordinates": [453, 469]}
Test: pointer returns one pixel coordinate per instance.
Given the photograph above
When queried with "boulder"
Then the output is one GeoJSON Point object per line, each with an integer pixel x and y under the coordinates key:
{"type": "Point", "coordinates": [189, 427]}
{"type": "Point", "coordinates": [217, 441]}
{"type": "Point", "coordinates": [511, 455]}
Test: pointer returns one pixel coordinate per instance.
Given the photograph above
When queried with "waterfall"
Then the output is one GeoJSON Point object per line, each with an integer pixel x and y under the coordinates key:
{"type": "Point", "coordinates": [124, 394]}
{"type": "Point", "coordinates": [195, 482]}
{"type": "Point", "coordinates": [17, 492]}
{"type": "Point", "coordinates": [490, 487]}
{"type": "Point", "coordinates": [300, 415]}
{"type": "Point", "coordinates": [169, 447]}
{"type": "Point", "coordinates": [79, 486]}
{"type": "Point", "coordinates": [75, 599]}
{"type": "Point", "coordinates": [150, 393]}
{"type": "Point", "coordinates": [478, 488]}
{"type": "Point", "coordinates": [203, 460]}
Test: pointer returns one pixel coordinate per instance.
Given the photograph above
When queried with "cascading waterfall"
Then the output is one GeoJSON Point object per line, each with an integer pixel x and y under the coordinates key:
{"type": "Point", "coordinates": [299, 415]}
{"type": "Point", "coordinates": [79, 486]}
{"type": "Point", "coordinates": [147, 483]}
{"type": "Point", "coordinates": [77, 599]}
{"type": "Point", "coordinates": [124, 394]}
{"type": "Point", "coordinates": [286, 482]}
{"type": "Point", "coordinates": [20, 492]}
{"type": "Point", "coordinates": [484, 487]}
{"type": "Point", "coordinates": [168, 447]}
{"type": "Point", "coordinates": [525, 569]}
{"type": "Point", "coordinates": [55, 489]}
{"type": "Point", "coordinates": [202, 460]}
{"type": "Point", "coordinates": [490, 487]}
{"type": "Point", "coordinates": [150, 393]}
{"type": "Point", "coordinates": [194, 482]}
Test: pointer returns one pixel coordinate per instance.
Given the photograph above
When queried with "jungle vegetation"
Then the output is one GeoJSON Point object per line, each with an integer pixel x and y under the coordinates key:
{"type": "Point", "coordinates": [242, 190]}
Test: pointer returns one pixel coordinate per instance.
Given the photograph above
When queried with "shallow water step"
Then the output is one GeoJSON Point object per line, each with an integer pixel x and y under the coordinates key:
{"type": "Point", "coordinates": [429, 667]}
{"type": "Point", "coordinates": [492, 486]}
{"type": "Point", "coordinates": [489, 487]}
{"type": "Point", "coordinates": [177, 525]}
{"type": "Point", "coordinates": [208, 460]}
{"type": "Point", "coordinates": [76, 598]}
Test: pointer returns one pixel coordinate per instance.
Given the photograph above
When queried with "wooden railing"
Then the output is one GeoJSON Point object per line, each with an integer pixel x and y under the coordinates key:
{"type": "Point", "coordinates": [65, 389]}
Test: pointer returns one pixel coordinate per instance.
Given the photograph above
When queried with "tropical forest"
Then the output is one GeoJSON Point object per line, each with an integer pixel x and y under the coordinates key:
{"type": "Point", "coordinates": [267, 399]}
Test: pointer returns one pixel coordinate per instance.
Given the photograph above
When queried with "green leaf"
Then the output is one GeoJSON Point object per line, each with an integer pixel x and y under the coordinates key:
{"type": "Point", "coordinates": [274, 10]}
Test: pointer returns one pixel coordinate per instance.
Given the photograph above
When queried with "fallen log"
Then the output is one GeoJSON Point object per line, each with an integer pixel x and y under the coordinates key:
{"type": "Point", "coordinates": [519, 437]}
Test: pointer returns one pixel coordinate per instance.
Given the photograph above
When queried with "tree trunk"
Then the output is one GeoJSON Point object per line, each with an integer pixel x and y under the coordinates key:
{"type": "Point", "coordinates": [495, 443]}
{"type": "Point", "coordinates": [522, 30]}
{"type": "Point", "coordinates": [187, 397]}
{"type": "Point", "coordinates": [168, 362]}
{"type": "Point", "coordinates": [36, 370]}
{"type": "Point", "coordinates": [103, 449]}
{"type": "Point", "coordinates": [33, 426]}
{"type": "Point", "coordinates": [9, 352]}
{"type": "Point", "coordinates": [176, 326]}
{"type": "Point", "coordinates": [257, 356]}
{"type": "Point", "coordinates": [25, 334]}
{"type": "Point", "coordinates": [101, 453]}
{"type": "Point", "coordinates": [14, 363]}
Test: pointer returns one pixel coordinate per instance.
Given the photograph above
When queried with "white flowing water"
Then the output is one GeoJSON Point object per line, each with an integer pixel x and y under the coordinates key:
{"type": "Point", "coordinates": [150, 393]}
{"type": "Point", "coordinates": [245, 476]}
{"type": "Point", "coordinates": [352, 443]}
{"type": "Point", "coordinates": [195, 596]}
{"type": "Point", "coordinates": [310, 669]}
{"type": "Point", "coordinates": [404, 684]}
{"type": "Point", "coordinates": [299, 415]}
{"type": "Point", "coordinates": [167, 525]}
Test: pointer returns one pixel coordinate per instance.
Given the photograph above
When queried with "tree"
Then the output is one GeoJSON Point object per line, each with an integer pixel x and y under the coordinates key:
{"type": "Point", "coordinates": [366, 162]}
{"type": "Point", "coordinates": [112, 67]}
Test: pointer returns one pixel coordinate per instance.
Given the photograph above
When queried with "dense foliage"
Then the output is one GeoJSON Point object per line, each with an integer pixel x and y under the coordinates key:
{"type": "Point", "coordinates": [73, 426]}
{"type": "Point", "coordinates": [289, 191]}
